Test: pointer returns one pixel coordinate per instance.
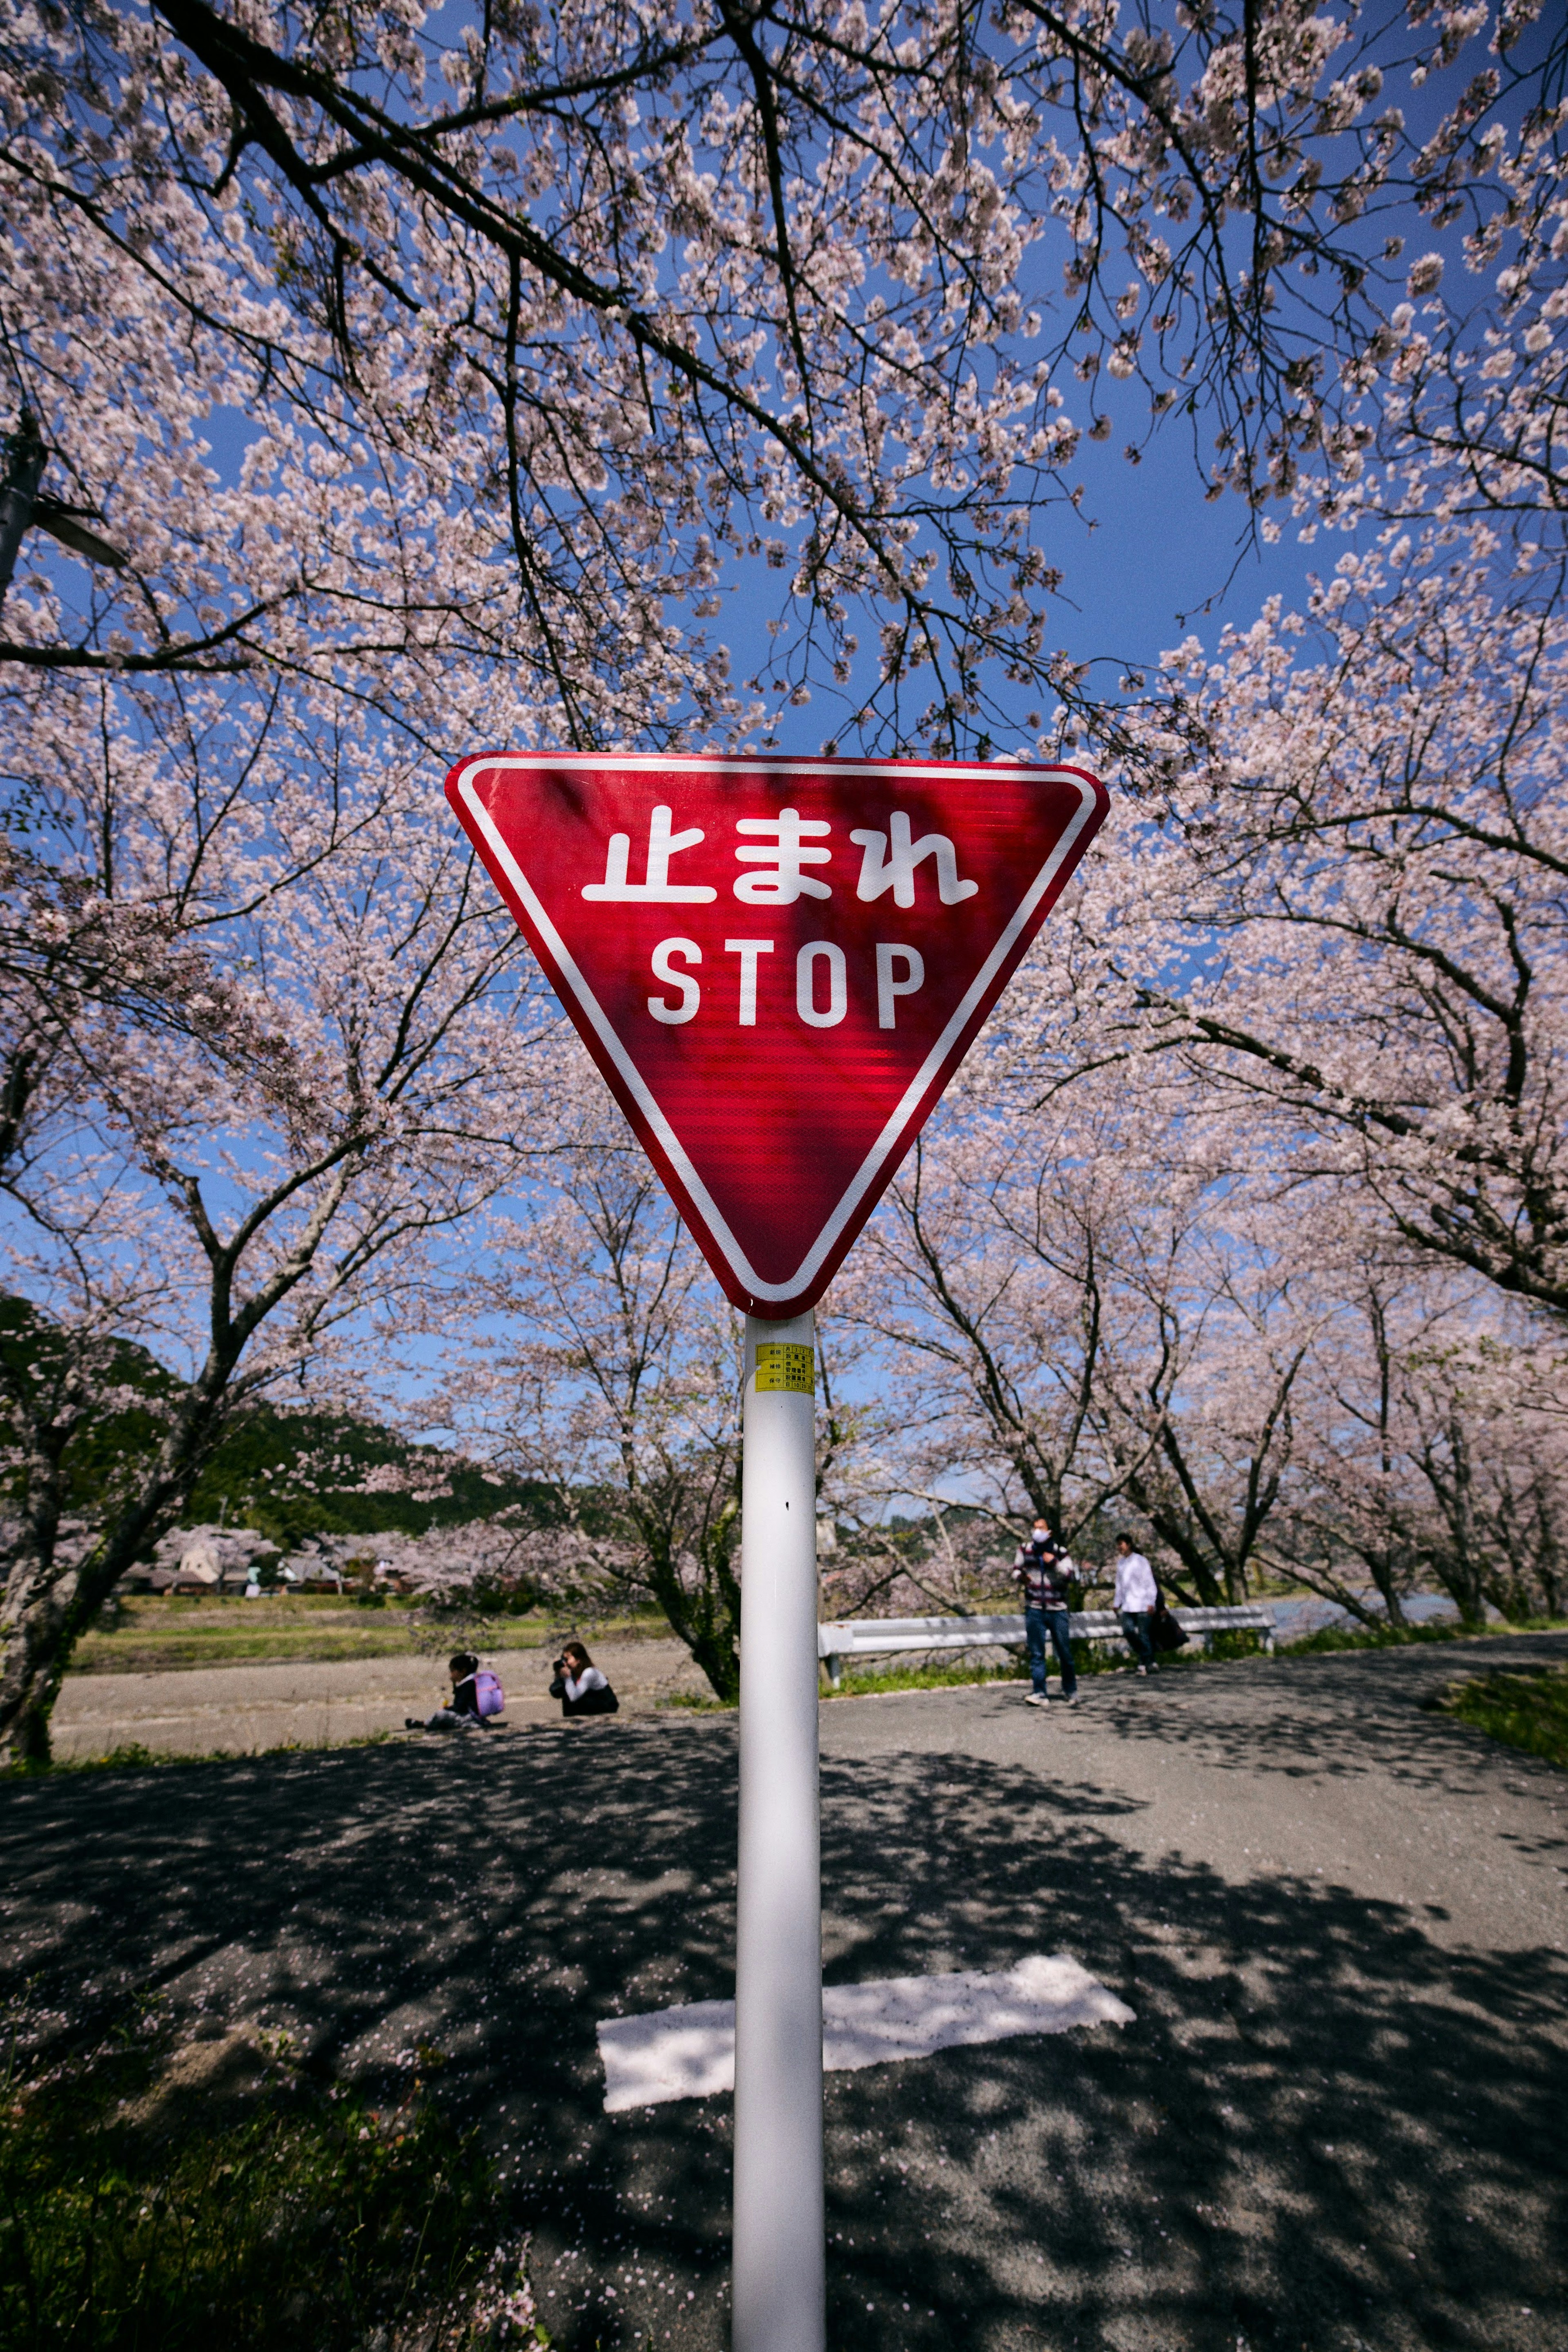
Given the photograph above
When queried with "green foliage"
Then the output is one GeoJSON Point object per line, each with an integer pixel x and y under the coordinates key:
{"type": "Point", "coordinates": [294, 1475]}
{"type": "Point", "coordinates": [1095, 1657]}
{"type": "Point", "coordinates": [900, 1678]}
{"type": "Point", "coordinates": [33, 1361]}
{"type": "Point", "coordinates": [140, 2216]}
{"type": "Point", "coordinates": [131, 1755]}
{"type": "Point", "coordinates": [1246, 1644]}
{"type": "Point", "coordinates": [1526, 1706]}
{"type": "Point", "coordinates": [289, 1474]}
{"type": "Point", "coordinates": [1377, 1637]}
{"type": "Point", "coordinates": [1226, 1649]}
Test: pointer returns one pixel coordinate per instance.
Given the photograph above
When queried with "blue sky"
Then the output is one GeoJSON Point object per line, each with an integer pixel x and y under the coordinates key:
{"type": "Point", "coordinates": [1147, 549]}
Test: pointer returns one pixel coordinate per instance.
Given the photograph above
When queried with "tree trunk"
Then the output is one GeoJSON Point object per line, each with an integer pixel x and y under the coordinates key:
{"type": "Point", "coordinates": [1380, 1567]}
{"type": "Point", "coordinates": [29, 1684]}
{"type": "Point", "coordinates": [1174, 1534]}
{"type": "Point", "coordinates": [719, 1663]}
{"type": "Point", "coordinates": [706, 1621]}
{"type": "Point", "coordinates": [1459, 1582]}
{"type": "Point", "coordinates": [47, 1608]}
{"type": "Point", "coordinates": [1548, 1556]}
{"type": "Point", "coordinates": [44, 1615]}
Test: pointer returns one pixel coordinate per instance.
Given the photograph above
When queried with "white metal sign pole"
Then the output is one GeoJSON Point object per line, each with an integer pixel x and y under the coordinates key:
{"type": "Point", "coordinates": [779, 2264]}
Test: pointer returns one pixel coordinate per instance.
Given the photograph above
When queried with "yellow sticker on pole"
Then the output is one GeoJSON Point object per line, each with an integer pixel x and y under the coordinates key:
{"type": "Point", "coordinates": [784, 1364]}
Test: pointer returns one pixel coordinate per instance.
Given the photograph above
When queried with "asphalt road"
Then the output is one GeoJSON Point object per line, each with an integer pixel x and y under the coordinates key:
{"type": "Point", "coordinates": [1337, 2123]}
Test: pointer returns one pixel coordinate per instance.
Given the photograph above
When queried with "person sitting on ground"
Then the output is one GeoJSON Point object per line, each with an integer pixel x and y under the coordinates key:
{"type": "Point", "coordinates": [463, 1713]}
{"type": "Point", "coordinates": [581, 1686]}
{"type": "Point", "coordinates": [1136, 1598]}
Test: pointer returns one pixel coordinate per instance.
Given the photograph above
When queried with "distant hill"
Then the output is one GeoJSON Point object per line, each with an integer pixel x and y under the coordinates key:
{"type": "Point", "coordinates": [290, 1474]}
{"type": "Point", "coordinates": [294, 1475]}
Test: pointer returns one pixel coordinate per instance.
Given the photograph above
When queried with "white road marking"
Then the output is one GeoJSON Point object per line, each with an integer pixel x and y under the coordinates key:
{"type": "Point", "coordinates": [689, 2053]}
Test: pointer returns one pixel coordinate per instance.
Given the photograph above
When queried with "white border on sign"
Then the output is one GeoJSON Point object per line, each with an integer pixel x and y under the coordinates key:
{"type": "Point", "coordinates": [888, 1139]}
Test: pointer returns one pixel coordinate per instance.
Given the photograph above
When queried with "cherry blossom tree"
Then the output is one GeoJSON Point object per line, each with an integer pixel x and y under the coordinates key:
{"type": "Point", "coordinates": [616, 1384]}
{"type": "Point", "coordinates": [1486, 1440]}
{"type": "Point", "coordinates": [266, 1043]}
{"type": "Point", "coordinates": [987, 1278]}
{"type": "Point", "coordinates": [1431, 1450]}
{"type": "Point", "coordinates": [1100, 1323]}
{"type": "Point", "coordinates": [1346, 1540]}
{"type": "Point", "coordinates": [432, 388]}
{"type": "Point", "coordinates": [883, 1560]}
{"type": "Point", "coordinates": [1351, 895]}
{"type": "Point", "coordinates": [1203, 1426]}
{"type": "Point", "coordinates": [594, 1353]}
{"type": "Point", "coordinates": [279, 518]}
{"type": "Point", "coordinates": [1240, 1220]}
{"type": "Point", "coordinates": [1100, 1312]}
{"type": "Point", "coordinates": [537, 328]}
{"type": "Point", "coordinates": [1462, 400]}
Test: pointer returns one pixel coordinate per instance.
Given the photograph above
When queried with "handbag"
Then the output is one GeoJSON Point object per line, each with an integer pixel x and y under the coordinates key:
{"type": "Point", "coordinates": [1163, 1631]}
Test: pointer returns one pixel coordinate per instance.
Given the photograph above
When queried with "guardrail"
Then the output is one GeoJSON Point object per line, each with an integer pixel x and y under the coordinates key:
{"type": "Point", "coordinates": [868, 1637]}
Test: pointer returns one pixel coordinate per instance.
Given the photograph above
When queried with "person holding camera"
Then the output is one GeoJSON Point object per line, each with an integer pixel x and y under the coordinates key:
{"type": "Point", "coordinates": [1044, 1569]}
{"type": "Point", "coordinates": [581, 1686]}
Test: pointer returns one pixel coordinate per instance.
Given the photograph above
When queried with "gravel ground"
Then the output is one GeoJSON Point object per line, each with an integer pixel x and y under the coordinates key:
{"type": "Point", "coordinates": [238, 1710]}
{"type": "Point", "coordinates": [1337, 2123]}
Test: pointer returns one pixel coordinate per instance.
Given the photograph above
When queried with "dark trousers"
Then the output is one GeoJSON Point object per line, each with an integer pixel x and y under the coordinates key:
{"type": "Point", "coordinates": [588, 1702]}
{"type": "Point", "coordinates": [1136, 1625]}
{"type": "Point", "coordinates": [1037, 1624]}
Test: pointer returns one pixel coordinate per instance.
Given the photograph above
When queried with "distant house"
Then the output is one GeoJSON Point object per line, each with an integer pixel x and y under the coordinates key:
{"type": "Point", "coordinates": [202, 1559]}
{"type": "Point", "coordinates": [200, 1563]}
{"type": "Point", "coordinates": [314, 1567]}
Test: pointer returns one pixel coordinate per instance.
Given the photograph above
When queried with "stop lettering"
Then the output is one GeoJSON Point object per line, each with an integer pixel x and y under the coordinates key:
{"type": "Point", "coordinates": [777, 964]}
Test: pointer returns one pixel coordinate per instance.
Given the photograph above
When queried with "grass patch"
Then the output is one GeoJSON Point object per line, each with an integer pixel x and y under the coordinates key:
{"type": "Point", "coordinates": [1246, 1643]}
{"type": "Point", "coordinates": [153, 1635]}
{"type": "Point", "coordinates": [1524, 1706]}
{"type": "Point", "coordinates": [160, 2199]}
{"type": "Point", "coordinates": [903, 1678]}
{"type": "Point", "coordinates": [182, 1633]}
{"type": "Point", "coordinates": [1377, 1637]}
{"type": "Point", "coordinates": [1401, 1637]}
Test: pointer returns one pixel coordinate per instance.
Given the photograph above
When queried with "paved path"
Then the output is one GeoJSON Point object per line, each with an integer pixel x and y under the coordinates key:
{"type": "Point", "coordinates": [1337, 2124]}
{"type": "Point", "coordinates": [239, 1710]}
{"type": "Point", "coordinates": [1320, 1769]}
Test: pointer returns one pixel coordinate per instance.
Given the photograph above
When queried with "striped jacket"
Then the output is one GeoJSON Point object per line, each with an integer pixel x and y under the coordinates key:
{"type": "Point", "coordinates": [1043, 1570]}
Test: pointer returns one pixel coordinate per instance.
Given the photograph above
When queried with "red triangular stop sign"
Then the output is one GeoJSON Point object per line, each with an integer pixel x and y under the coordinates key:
{"type": "Point", "coordinates": [778, 964]}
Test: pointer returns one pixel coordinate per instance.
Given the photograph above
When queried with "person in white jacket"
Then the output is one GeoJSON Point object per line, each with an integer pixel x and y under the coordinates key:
{"type": "Point", "coordinates": [1135, 1599]}
{"type": "Point", "coordinates": [581, 1686]}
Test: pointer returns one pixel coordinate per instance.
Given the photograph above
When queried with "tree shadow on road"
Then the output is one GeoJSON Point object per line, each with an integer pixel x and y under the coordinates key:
{"type": "Point", "coordinates": [1330, 1716]}
{"type": "Point", "coordinates": [1322, 2129]}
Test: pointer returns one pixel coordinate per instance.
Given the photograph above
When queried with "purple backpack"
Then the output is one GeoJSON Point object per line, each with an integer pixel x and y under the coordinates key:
{"type": "Point", "coordinates": [489, 1699]}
